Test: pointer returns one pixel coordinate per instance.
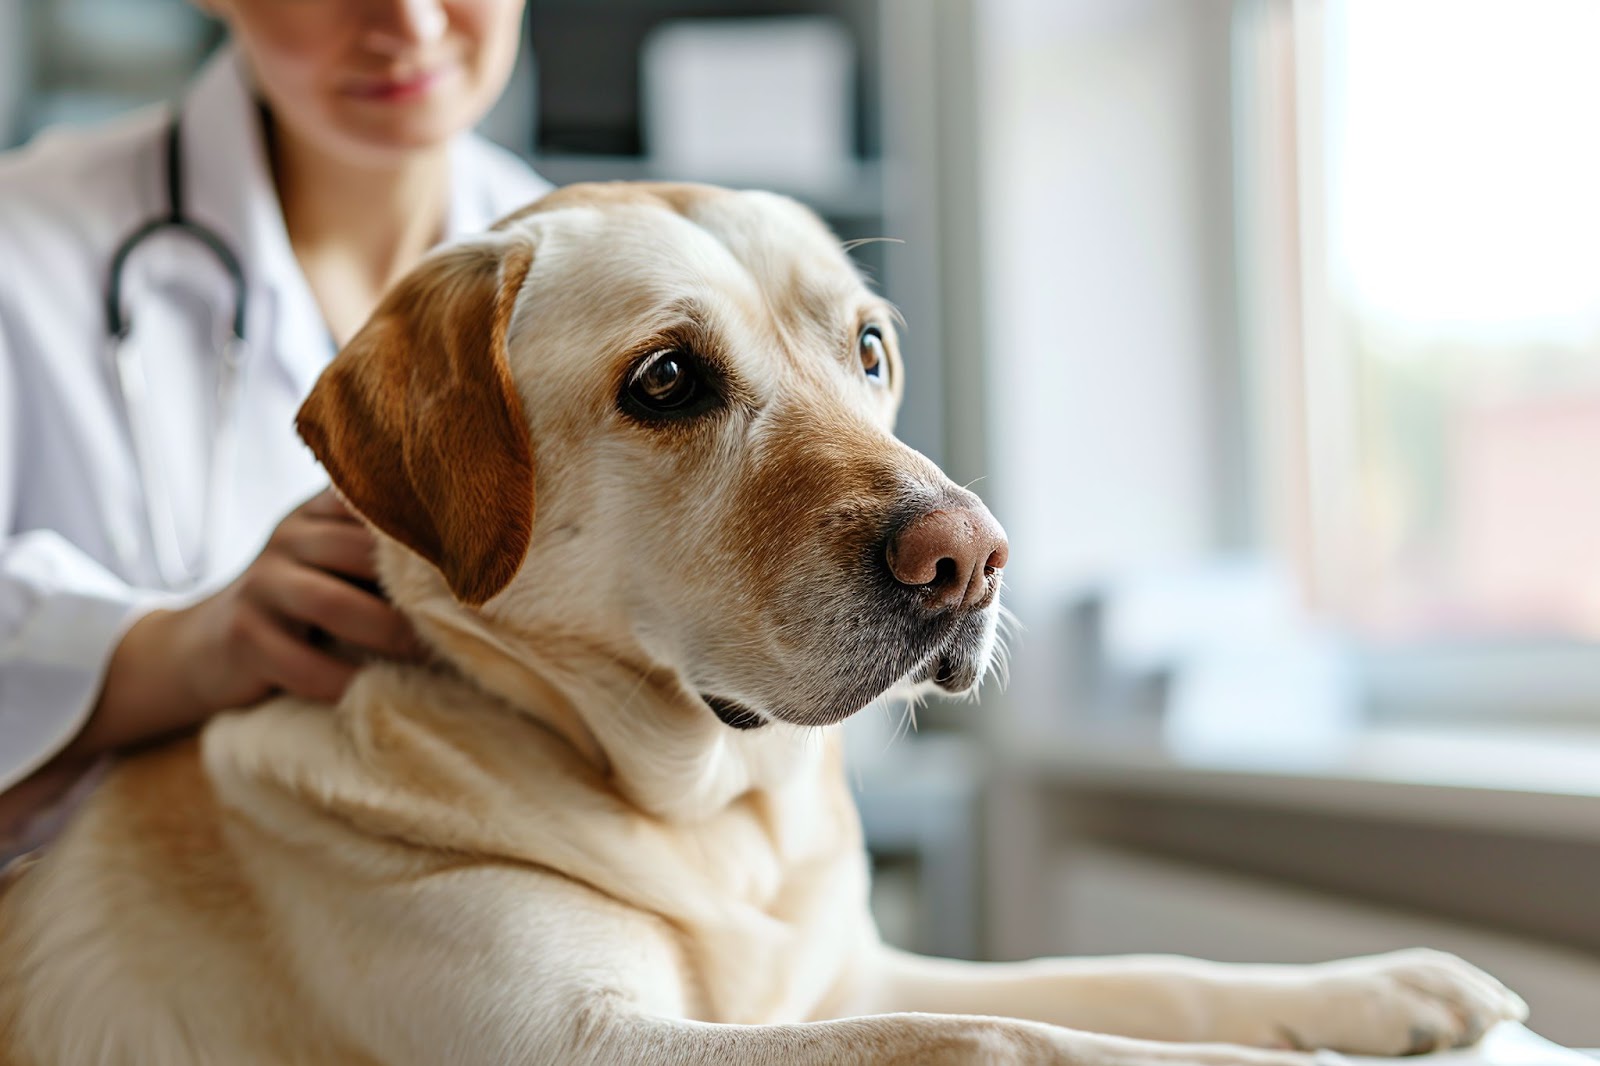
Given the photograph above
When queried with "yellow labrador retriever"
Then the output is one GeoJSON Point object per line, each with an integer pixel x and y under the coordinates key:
{"type": "Point", "coordinates": [629, 457]}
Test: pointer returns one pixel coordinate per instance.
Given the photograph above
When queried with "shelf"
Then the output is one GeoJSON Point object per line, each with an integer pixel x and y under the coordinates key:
{"type": "Point", "coordinates": [1510, 781]}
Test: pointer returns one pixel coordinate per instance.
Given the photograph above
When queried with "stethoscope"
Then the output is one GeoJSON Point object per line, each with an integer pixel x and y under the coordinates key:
{"type": "Point", "coordinates": [176, 570]}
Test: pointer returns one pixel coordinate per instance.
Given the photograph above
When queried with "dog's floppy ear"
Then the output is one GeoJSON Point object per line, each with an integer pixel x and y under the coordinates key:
{"type": "Point", "coordinates": [418, 422]}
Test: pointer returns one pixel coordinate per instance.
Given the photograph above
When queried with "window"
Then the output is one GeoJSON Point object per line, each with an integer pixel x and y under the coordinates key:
{"type": "Point", "coordinates": [1419, 194]}
{"type": "Point", "coordinates": [1418, 199]}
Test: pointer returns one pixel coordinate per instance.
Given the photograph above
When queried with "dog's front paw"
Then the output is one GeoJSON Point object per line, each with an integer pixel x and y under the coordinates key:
{"type": "Point", "coordinates": [1402, 1003]}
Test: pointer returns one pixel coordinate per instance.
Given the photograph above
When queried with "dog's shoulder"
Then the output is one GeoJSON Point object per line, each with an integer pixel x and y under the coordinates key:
{"type": "Point", "coordinates": [410, 759]}
{"type": "Point", "coordinates": [142, 909]}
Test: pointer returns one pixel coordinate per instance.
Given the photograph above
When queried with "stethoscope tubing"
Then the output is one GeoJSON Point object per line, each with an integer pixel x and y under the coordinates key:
{"type": "Point", "coordinates": [176, 572]}
{"type": "Point", "coordinates": [117, 323]}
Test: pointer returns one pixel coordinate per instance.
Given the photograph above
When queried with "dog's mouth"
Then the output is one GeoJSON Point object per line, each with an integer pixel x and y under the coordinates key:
{"type": "Point", "coordinates": [951, 671]}
{"type": "Point", "coordinates": [955, 667]}
{"type": "Point", "coordinates": [733, 713]}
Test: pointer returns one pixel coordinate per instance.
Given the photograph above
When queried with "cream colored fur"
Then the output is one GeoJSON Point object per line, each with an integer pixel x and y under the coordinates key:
{"type": "Point", "coordinates": [545, 848]}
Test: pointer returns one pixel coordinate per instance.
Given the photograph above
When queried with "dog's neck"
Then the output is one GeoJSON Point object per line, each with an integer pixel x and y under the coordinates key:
{"type": "Point", "coordinates": [629, 718]}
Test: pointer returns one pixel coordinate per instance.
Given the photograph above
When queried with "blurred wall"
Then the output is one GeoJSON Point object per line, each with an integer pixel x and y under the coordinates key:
{"type": "Point", "coordinates": [1107, 273]}
{"type": "Point", "coordinates": [13, 62]}
{"type": "Point", "coordinates": [1107, 194]}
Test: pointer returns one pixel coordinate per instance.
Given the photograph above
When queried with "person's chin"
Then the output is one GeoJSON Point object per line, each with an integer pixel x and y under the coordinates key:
{"type": "Point", "coordinates": [401, 131]}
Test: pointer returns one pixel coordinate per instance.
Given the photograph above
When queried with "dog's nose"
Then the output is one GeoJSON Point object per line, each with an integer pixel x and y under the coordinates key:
{"type": "Point", "coordinates": [951, 552]}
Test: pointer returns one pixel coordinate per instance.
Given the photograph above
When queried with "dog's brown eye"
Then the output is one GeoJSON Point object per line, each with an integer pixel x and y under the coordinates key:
{"type": "Point", "coordinates": [873, 360]}
{"type": "Point", "coordinates": [665, 382]}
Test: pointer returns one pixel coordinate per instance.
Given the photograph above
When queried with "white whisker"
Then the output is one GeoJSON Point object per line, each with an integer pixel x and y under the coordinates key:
{"type": "Point", "coordinates": [852, 245]}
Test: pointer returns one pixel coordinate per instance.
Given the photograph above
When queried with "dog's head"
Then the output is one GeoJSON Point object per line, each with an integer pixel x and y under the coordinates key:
{"type": "Point", "coordinates": [657, 419]}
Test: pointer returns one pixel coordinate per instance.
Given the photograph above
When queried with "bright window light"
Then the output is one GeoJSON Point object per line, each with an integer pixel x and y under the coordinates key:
{"type": "Point", "coordinates": [1460, 173]}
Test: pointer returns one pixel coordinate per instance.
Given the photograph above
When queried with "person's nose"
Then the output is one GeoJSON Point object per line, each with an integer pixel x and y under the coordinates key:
{"type": "Point", "coordinates": [397, 26]}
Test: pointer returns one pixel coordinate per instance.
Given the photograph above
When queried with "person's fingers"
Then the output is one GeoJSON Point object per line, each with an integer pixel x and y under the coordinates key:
{"type": "Point", "coordinates": [299, 669]}
{"type": "Point", "coordinates": [326, 504]}
{"type": "Point", "coordinates": [344, 611]}
{"type": "Point", "coordinates": [338, 547]}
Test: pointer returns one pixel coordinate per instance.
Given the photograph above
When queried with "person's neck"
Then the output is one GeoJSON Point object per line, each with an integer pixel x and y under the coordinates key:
{"type": "Point", "coordinates": [356, 227]}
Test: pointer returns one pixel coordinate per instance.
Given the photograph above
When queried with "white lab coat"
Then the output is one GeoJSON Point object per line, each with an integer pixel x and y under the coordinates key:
{"type": "Point", "coordinates": [77, 562]}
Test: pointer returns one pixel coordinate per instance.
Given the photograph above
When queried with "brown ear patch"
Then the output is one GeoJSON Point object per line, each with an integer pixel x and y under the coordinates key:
{"type": "Point", "coordinates": [419, 425]}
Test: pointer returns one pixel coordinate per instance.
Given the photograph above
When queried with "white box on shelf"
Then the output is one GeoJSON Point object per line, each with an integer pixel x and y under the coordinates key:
{"type": "Point", "coordinates": [751, 101]}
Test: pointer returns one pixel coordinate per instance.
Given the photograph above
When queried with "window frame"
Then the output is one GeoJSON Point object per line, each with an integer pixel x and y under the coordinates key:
{"type": "Point", "coordinates": [1303, 438]}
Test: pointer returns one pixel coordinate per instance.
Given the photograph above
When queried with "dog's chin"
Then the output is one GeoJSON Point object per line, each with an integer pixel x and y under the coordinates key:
{"type": "Point", "coordinates": [742, 716]}
{"type": "Point", "coordinates": [953, 670]}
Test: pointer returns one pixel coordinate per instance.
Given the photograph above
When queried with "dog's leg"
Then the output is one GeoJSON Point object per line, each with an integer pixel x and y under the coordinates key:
{"type": "Point", "coordinates": [908, 1039]}
{"type": "Point", "coordinates": [505, 967]}
{"type": "Point", "coordinates": [1384, 1004]}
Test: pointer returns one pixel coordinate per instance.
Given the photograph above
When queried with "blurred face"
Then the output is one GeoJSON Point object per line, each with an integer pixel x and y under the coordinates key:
{"type": "Point", "coordinates": [375, 78]}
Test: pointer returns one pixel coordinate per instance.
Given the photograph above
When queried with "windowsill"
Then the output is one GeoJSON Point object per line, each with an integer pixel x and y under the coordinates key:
{"type": "Point", "coordinates": [1528, 782]}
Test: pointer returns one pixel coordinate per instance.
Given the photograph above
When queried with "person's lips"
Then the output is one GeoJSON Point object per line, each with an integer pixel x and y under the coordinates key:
{"type": "Point", "coordinates": [401, 87]}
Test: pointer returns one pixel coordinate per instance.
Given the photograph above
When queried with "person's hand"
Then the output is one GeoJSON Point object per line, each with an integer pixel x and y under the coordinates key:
{"type": "Point", "coordinates": [265, 632]}
{"type": "Point", "coordinates": [259, 636]}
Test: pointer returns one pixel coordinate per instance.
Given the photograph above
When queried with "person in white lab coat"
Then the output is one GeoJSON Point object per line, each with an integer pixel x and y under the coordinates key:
{"type": "Point", "coordinates": [327, 145]}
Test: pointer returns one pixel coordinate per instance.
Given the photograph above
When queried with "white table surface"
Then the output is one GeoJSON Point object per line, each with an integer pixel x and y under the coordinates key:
{"type": "Point", "coordinates": [1507, 1044]}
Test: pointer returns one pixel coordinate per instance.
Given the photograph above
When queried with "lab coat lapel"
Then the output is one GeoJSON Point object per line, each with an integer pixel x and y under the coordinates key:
{"type": "Point", "coordinates": [469, 199]}
{"type": "Point", "coordinates": [486, 184]}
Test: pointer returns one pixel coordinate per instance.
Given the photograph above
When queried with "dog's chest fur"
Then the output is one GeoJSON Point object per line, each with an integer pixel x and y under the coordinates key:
{"type": "Point", "coordinates": [767, 896]}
